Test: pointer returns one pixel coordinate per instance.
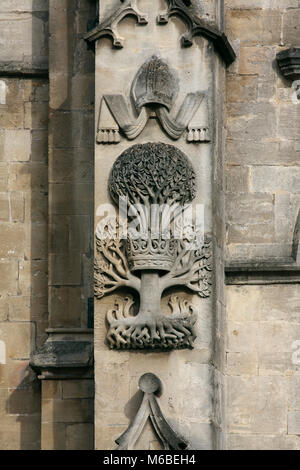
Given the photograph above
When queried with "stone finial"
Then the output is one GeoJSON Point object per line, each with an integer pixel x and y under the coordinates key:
{"type": "Point", "coordinates": [150, 385]}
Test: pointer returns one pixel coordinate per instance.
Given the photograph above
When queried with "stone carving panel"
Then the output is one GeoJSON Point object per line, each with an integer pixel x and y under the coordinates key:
{"type": "Point", "coordinates": [153, 93]}
{"type": "Point", "coordinates": [156, 181]}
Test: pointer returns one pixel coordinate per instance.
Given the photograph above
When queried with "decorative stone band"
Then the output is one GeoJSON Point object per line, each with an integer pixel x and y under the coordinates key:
{"type": "Point", "coordinates": [150, 385]}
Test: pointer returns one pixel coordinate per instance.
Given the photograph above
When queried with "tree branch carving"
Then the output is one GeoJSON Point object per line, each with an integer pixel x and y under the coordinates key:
{"type": "Point", "coordinates": [146, 175]}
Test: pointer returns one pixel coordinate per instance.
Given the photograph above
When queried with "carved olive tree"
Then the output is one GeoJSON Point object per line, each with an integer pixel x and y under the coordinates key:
{"type": "Point", "coordinates": [147, 175]}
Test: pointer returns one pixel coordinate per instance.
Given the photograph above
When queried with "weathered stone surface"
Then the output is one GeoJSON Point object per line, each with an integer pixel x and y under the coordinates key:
{"type": "Point", "coordinates": [260, 4]}
{"type": "Point", "coordinates": [241, 88]}
{"type": "Point", "coordinates": [26, 308]}
{"type": "Point", "coordinates": [3, 176]}
{"type": "Point", "coordinates": [256, 404]}
{"type": "Point", "coordinates": [289, 121]}
{"type": "Point", "coordinates": [24, 402]}
{"type": "Point", "coordinates": [294, 422]}
{"type": "Point", "coordinates": [275, 179]}
{"type": "Point", "coordinates": [33, 277]}
{"type": "Point", "coordinates": [17, 205]}
{"type": "Point", "coordinates": [294, 393]}
{"type": "Point", "coordinates": [266, 23]}
{"type": "Point", "coordinates": [257, 60]}
{"type": "Point", "coordinates": [19, 433]}
{"type": "Point", "coordinates": [68, 411]}
{"type": "Point", "coordinates": [261, 442]}
{"type": "Point", "coordinates": [28, 175]}
{"type": "Point", "coordinates": [245, 209]}
{"type": "Point", "coordinates": [242, 363]}
{"type": "Point", "coordinates": [69, 195]}
{"type": "Point", "coordinates": [65, 270]}
{"type": "Point", "coordinates": [291, 27]}
{"type": "Point", "coordinates": [36, 206]}
{"type": "Point", "coordinates": [17, 145]}
{"type": "Point", "coordinates": [254, 234]}
{"type": "Point", "coordinates": [24, 182]}
{"type": "Point", "coordinates": [237, 179]}
{"type": "Point", "coordinates": [9, 277]}
{"type": "Point", "coordinates": [11, 240]}
{"type": "Point", "coordinates": [39, 146]}
{"type": "Point", "coordinates": [80, 436]}
{"type": "Point", "coordinates": [71, 129]}
{"type": "Point", "coordinates": [36, 244]}
{"type": "Point", "coordinates": [251, 120]}
{"type": "Point", "coordinates": [36, 115]}
{"type": "Point", "coordinates": [80, 171]}
{"type": "Point", "coordinates": [53, 436]}
{"type": "Point", "coordinates": [17, 45]}
{"type": "Point", "coordinates": [65, 306]}
{"type": "Point", "coordinates": [8, 6]}
{"type": "Point", "coordinates": [243, 303]}
{"type": "Point", "coordinates": [78, 389]}
{"type": "Point", "coordinates": [19, 339]}
{"type": "Point", "coordinates": [4, 207]}
{"type": "Point", "coordinates": [243, 337]}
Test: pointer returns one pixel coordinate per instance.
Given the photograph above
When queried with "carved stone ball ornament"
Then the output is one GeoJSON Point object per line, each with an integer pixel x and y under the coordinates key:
{"type": "Point", "coordinates": [157, 180]}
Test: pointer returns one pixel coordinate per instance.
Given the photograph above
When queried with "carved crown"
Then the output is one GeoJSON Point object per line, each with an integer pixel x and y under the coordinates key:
{"type": "Point", "coordinates": [155, 83]}
{"type": "Point", "coordinates": [152, 177]}
{"type": "Point", "coordinates": [151, 254]}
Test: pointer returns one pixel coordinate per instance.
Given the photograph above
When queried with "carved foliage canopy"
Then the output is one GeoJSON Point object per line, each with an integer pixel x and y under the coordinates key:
{"type": "Point", "coordinates": [153, 173]}
{"type": "Point", "coordinates": [153, 176]}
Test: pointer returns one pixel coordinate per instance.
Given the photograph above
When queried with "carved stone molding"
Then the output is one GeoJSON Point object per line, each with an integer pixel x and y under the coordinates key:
{"type": "Point", "coordinates": [152, 176]}
{"type": "Point", "coordinates": [197, 27]}
{"type": "Point", "coordinates": [154, 91]}
{"type": "Point", "coordinates": [180, 8]}
{"type": "Point", "coordinates": [67, 354]}
{"type": "Point", "coordinates": [109, 27]}
{"type": "Point", "coordinates": [289, 63]}
{"type": "Point", "coordinates": [150, 385]}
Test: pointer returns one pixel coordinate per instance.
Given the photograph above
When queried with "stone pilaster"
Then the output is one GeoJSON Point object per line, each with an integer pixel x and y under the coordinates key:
{"type": "Point", "coordinates": [126, 52]}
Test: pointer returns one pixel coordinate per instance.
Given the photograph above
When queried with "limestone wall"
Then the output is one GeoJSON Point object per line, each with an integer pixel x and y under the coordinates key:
{"type": "Point", "coordinates": [263, 125]}
{"type": "Point", "coordinates": [247, 355]}
{"type": "Point", "coordinates": [262, 203]}
{"type": "Point", "coordinates": [263, 327]}
{"type": "Point", "coordinates": [24, 99]}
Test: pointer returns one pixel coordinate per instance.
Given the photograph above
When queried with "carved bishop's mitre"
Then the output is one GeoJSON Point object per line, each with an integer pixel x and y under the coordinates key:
{"type": "Point", "coordinates": [155, 178]}
{"type": "Point", "coordinates": [155, 83]}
